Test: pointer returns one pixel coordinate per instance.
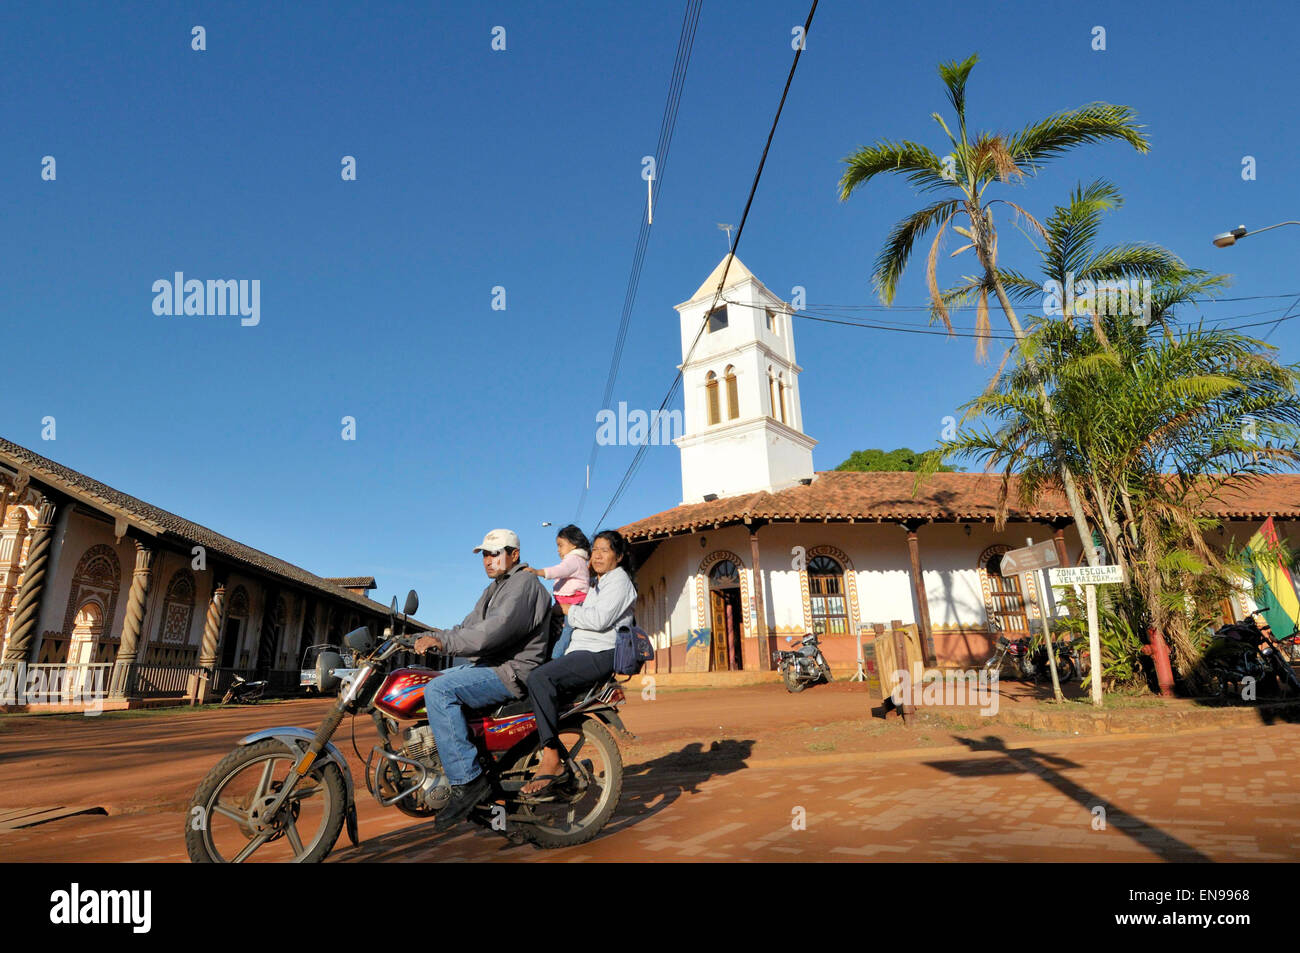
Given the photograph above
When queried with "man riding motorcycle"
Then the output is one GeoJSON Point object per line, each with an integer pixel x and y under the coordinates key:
{"type": "Point", "coordinates": [507, 634]}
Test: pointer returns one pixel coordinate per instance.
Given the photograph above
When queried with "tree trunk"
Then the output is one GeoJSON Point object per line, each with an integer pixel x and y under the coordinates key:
{"type": "Point", "coordinates": [1067, 478]}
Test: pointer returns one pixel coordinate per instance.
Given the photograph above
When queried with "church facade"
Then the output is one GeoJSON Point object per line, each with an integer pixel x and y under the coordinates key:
{"type": "Point", "coordinates": [100, 587]}
{"type": "Point", "coordinates": [763, 546]}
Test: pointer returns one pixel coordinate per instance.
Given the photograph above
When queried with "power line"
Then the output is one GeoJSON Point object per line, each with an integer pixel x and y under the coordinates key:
{"type": "Point", "coordinates": [685, 44]}
{"type": "Point", "coordinates": [722, 281]}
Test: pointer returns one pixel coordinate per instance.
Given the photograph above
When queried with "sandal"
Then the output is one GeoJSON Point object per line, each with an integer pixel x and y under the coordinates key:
{"type": "Point", "coordinates": [551, 781]}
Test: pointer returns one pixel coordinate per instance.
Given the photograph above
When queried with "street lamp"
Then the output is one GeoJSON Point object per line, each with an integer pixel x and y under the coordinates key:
{"type": "Point", "coordinates": [1224, 239]}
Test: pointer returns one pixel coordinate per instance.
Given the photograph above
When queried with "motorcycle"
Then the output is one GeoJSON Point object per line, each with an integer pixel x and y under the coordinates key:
{"type": "Point", "coordinates": [803, 666]}
{"type": "Point", "coordinates": [286, 793]}
{"type": "Point", "coordinates": [1245, 652]}
{"type": "Point", "coordinates": [243, 692]}
{"type": "Point", "coordinates": [1023, 660]}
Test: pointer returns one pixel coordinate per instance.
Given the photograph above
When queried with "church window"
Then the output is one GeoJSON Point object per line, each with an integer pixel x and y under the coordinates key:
{"type": "Point", "coordinates": [771, 320]}
{"type": "Point", "coordinates": [780, 386]}
{"type": "Point", "coordinates": [718, 319]}
{"type": "Point", "coordinates": [733, 394]}
{"type": "Point", "coordinates": [711, 396]}
{"type": "Point", "coordinates": [830, 611]}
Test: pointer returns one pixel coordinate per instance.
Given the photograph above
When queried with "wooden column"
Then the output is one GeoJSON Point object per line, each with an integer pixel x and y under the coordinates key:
{"type": "Point", "coordinates": [134, 622]}
{"type": "Point", "coordinates": [760, 601]}
{"type": "Point", "coordinates": [27, 611]}
{"type": "Point", "coordinates": [1058, 537]}
{"type": "Point", "coordinates": [918, 585]}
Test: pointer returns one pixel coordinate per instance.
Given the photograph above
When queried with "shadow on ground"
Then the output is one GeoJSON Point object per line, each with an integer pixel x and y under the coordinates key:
{"type": "Point", "coordinates": [648, 788]}
{"type": "Point", "coordinates": [1049, 767]}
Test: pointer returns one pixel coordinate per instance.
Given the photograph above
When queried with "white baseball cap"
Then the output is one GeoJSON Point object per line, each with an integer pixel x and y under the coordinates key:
{"type": "Point", "coordinates": [497, 540]}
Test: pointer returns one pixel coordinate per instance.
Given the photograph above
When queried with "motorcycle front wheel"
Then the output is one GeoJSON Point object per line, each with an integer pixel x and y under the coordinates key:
{"type": "Point", "coordinates": [571, 816]}
{"type": "Point", "coordinates": [792, 682]}
{"type": "Point", "coordinates": [226, 821]}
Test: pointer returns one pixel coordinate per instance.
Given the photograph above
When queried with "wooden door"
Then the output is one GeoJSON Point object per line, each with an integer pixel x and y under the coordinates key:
{"type": "Point", "coordinates": [718, 613]}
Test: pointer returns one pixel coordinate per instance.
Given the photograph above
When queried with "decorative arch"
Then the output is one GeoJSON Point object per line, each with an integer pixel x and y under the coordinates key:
{"type": "Point", "coordinates": [1025, 584]}
{"type": "Point", "coordinates": [850, 585]}
{"type": "Point", "coordinates": [98, 577]}
{"type": "Point", "coordinates": [702, 620]}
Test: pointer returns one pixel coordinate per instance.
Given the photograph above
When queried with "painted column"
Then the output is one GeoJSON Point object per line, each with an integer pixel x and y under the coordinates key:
{"type": "Point", "coordinates": [211, 636]}
{"type": "Point", "coordinates": [918, 585]}
{"type": "Point", "coordinates": [760, 602]}
{"type": "Point", "coordinates": [27, 611]}
{"type": "Point", "coordinates": [134, 622]}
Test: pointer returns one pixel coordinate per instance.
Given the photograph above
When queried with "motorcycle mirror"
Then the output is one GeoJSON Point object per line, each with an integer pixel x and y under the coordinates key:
{"type": "Point", "coordinates": [412, 603]}
{"type": "Point", "coordinates": [326, 680]}
{"type": "Point", "coordinates": [359, 640]}
{"type": "Point", "coordinates": [393, 607]}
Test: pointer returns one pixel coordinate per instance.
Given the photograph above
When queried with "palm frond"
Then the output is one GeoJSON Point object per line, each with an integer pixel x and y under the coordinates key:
{"type": "Point", "coordinates": [892, 260]}
{"type": "Point", "coordinates": [1060, 132]}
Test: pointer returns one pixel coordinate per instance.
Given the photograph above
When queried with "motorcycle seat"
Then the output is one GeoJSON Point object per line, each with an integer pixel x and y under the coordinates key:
{"type": "Point", "coordinates": [524, 706]}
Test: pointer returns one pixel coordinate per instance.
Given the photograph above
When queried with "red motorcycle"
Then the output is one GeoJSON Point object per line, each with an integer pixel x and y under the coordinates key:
{"type": "Point", "coordinates": [285, 794]}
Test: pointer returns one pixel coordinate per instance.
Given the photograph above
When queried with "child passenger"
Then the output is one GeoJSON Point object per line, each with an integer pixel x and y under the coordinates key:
{"type": "Point", "coordinates": [572, 577]}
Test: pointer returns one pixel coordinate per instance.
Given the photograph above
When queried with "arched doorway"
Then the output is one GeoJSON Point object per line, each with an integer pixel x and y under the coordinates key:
{"type": "Point", "coordinates": [233, 629]}
{"type": "Point", "coordinates": [97, 580]}
{"type": "Point", "coordinates": [87, 629]}
{"type": "Point", "coordinates": [1004, 602]}
{"type": "Point", "coordinates": [725, 611]}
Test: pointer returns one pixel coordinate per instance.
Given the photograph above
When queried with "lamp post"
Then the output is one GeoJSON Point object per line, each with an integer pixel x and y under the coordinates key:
{"type": "Point", "coordinates": [1224, 239]}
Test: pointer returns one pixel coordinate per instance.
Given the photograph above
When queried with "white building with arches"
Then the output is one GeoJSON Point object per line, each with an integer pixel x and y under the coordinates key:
{"type": "Point", "coordinates": [763, 545]}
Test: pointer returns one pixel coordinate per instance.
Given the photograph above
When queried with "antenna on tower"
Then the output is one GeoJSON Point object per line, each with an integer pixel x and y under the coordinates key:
{"type": "Point", "coordinates": [726, 228]}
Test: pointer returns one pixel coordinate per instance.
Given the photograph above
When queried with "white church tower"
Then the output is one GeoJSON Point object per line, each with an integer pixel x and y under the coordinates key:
{"type": "Point", "coordinates": [743, 426]}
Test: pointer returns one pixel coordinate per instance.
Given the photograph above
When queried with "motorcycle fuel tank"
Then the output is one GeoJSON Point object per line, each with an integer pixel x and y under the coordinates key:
{"type": "Point", "coordinates": [402, 694]}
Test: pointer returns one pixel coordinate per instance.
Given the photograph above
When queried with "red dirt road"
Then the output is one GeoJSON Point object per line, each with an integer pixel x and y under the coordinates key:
{"type": "Point", "coordinates": [727, 774]}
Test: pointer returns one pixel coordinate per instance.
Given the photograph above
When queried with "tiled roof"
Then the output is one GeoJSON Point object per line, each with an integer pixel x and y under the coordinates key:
{"type": "Point", "coordinates": [168, 526]}
{"type": "Point", "coordinates": [353, 582]}
{"type": "Point", "coordinates": [956, 497]}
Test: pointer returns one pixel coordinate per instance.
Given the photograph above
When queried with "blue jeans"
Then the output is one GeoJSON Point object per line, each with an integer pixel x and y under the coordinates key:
{"type": "Point", "coordinates": [562, 643]}
{"type": "Point", "coordinates": [445, 700]}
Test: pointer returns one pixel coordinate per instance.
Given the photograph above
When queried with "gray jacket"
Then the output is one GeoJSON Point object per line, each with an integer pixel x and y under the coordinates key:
{"type": "Point", "coordinates": [508, 628]}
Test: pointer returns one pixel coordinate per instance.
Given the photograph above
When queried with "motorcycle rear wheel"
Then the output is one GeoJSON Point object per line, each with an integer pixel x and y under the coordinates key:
{"type": "Point", "coordinates": [572, 818]}
{"type": "Point", "coordinates": [223, 824]}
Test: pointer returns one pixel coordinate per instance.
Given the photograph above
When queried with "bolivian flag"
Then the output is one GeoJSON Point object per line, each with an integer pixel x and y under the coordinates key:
{"type": "Point", "coordinates": [1271, 575]}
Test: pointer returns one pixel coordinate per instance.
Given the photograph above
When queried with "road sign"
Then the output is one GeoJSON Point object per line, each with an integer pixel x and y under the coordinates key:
{"type": "Point", "coordinates": [1086, 575]}
{"type": "Point", "coordinates": [1029, 558]}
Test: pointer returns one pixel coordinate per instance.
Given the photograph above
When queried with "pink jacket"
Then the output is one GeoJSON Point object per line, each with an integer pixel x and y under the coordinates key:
{"type": "Point", "coordinates": [571, 573]}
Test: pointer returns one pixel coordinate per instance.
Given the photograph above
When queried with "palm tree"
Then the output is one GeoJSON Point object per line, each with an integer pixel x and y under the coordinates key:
{"type": "Point", "coordinates": [1155, 414]}
{"type": "Point", "coordinates": [971, 167]}
{"type": "Point", "coordinates": [1069, 259]}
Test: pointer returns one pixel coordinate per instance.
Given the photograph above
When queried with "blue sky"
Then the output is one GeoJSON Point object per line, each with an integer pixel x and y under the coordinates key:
{"type": "Point", "coordinates": [521, 169]}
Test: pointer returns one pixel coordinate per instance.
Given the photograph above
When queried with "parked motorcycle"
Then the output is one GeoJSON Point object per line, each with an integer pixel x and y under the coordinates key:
{"type": "Point", "coordinates": [803, 666]}
{"type": "Point", "coordinates": [286, 793]}
{"type": "Point", "coordinates": [243, 692]}
{"type": "Point", "coordinates": [1243, 651]}
{"type": "Point", "coordinates": [1020, 659]}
